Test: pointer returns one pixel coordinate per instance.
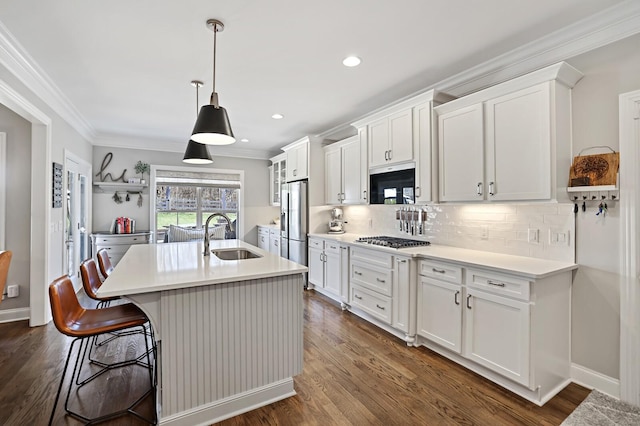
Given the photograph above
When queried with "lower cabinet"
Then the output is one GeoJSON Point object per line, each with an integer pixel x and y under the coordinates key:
{"type": "Point", "coordinates": [325, 267]}
{"type": "Point", "coordinates": [117, 245]}
{"type": "Point", "coordinates": [274, 241]}
{"type": "Point", "coordinates": [263, 238]}
{"type": "Point", "coordinates": [382, 286]}
{"type": "Point", "coordinates": [512, 329]}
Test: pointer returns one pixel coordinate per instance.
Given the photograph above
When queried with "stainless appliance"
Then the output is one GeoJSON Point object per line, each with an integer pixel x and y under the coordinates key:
{"type": "Point", "coordinates": [336, 224]}
{"type": "Point", "coordinates": [393, 185]}
{"type": "Point", "coordinates": [392, 242]}
{"type": "Point", "coordinates": [294, 221]}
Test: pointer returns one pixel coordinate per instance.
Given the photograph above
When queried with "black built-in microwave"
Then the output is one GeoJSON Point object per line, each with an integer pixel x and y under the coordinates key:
{"type": "Point", "coordinates": [393, 184]}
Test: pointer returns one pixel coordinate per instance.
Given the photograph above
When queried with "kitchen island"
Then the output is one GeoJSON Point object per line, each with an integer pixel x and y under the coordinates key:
{"type": "Point", "coordinates": [229, 332]}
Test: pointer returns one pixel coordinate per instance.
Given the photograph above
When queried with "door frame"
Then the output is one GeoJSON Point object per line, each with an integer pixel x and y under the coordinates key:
{"type": "Point", "coordinates": [41, 176]}
{"type": "Point", "coordinates": [629, 111]}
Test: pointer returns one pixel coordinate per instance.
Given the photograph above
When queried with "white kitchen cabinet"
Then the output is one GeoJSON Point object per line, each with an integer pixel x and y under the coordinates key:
{"type": "Point", "coordinates": [343, 172]}
{"type": "Point", "coordinates": [274, 241]}
{"type": "Point", "coordinates": [422, 134]}
{"type": "Point", "coordinates": [391, 139]}
{"type": "Point", "coordinates": [298, 161]}
{"type": "Point", "coordinates": [325, 267]}
{"type": "Point", "coordinates": [509, 142]}
{"type": "Point", "coordinates": [382, 286]}
{"type": "Point", "coordinates": [263, 238]}
{"type": "Point", "coordinates": [277, 176]}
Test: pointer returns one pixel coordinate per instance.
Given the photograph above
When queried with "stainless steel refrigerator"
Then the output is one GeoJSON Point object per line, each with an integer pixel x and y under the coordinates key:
{"type": "Point", "coordinates": [294, 220]}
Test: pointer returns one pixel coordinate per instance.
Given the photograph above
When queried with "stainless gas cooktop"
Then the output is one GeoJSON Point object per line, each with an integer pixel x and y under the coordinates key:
{"type": "Point", "coordinates": [392, 242]}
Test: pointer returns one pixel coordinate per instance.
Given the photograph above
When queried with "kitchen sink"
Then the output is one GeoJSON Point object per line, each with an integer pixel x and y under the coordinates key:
{"type": "Point", "coordinates": [235, 254]}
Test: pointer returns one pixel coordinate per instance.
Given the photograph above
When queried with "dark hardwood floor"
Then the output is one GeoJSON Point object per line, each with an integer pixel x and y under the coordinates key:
{"type": "Point", "coordinates": [354, 374]}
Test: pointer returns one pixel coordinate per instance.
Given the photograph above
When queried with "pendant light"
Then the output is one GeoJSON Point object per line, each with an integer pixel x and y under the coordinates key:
{"type": "Point", "coordinates": [212, 126]}
{"type": "Point", "coordinates": [197, 153]}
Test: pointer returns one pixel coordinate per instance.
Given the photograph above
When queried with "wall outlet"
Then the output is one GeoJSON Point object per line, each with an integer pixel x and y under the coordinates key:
{"type": "Point", "coordinates": [13, 290]}
{"type": "Point", "coordinates": [533, 235]}
{"type": "Point", "coordinates": [558, 237]}
{"type": "Point", "coordinates": [484, 233]}
{"type": "Point", "coordinates": [370, 223]}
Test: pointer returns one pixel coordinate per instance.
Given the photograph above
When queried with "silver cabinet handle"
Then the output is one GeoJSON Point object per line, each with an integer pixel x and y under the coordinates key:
{"type": "Point", "coordinates": [495, 283]}
{"type": "Point", "coordinates": [386, 155]}
{"type": "Point", "coordinates": [344, 248]}
{"type": "Point", "coordinates": [401, 260]}
{"type": "Point", "coordinates": [468, 305]}
{"type": "Point", "coordinates": [418, 192]}
{"type": "Point", "coordinates": [438, 271]}
{"type": "Point", "coordinates": [379, 307]}
{"type": "Point", "coordinates": [364, 195]}
{"type": "Point", "coordinates": [355, 296]}
{"type": "Point", "coordinates": [380, 281]}
{"type": "Point", "coordinates": [455, 297]}
{"type": "Point", "coordinates": [479, 189]}
{"type": "Point", "coordinates": [390, 154]}
{"type": "Point", "coordinates": [357, 273]}
{"type": "Point", "coordinates": [491, 191]}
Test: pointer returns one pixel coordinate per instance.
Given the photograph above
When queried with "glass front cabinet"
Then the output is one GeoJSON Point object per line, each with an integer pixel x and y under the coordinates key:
{"type": "Point", "coordinates": [277, 174]}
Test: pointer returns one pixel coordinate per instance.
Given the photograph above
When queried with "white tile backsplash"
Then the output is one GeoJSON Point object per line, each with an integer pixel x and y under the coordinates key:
{"type": "Point", "coordinates": [506, 226]}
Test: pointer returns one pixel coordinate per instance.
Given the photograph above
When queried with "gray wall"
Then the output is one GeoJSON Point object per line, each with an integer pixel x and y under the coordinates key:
{"type": "Point", "coordinates": [18, 202]}
{"type": "Point", "coordinates": [256, 187]}
{"type": "Point", "coordinates": [609, 72]}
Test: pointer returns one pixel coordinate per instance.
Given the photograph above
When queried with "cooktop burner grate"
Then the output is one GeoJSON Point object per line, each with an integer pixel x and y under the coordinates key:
{"type": "Point", "coordinates": [392, 242]}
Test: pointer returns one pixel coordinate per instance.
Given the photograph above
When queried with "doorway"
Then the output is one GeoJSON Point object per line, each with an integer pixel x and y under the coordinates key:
{"type": "Point", "coordinates": [77, 210]}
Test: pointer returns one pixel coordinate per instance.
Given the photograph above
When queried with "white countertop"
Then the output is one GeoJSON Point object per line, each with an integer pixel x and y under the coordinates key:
{"type": "Point", "coordinates": [149, 268]}
{"type": "Point", "coordinates": [528, 267]}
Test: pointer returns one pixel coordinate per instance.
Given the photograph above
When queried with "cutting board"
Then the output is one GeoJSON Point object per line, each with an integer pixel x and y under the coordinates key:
{"type": "Point", "coordinates": [601, 169]}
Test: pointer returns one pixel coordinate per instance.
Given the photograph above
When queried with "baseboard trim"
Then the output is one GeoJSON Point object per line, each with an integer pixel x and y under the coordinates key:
{"type": "Point", "coordinates": [18, 314]}
{"type": "Point", "coordinates": [232, 406]}
{"type": "Point", "coordinates": [594, 380]}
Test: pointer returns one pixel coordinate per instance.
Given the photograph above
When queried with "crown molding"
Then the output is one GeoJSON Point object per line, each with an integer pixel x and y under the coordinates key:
{"type": "Point", "coordinates": [610, 25]}
{"type": "Point", "coordinates": [16, 59]}
{"type": "Point", "coordinates": [170, 145]}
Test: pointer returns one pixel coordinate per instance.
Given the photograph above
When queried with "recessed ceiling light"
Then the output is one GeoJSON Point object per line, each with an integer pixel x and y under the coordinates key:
{"type": "Point", "coordinates": [244, 140]}
{"type": "Point", "coordinates": [277, 116]}
{"type": "Point", "coordinates": [351, 61]}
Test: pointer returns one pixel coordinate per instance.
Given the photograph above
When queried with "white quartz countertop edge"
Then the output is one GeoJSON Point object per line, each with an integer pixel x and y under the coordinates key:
{"type": "Point", "coordinates": [147, 268]}
{"type": "Point", "coordinates": [528, 267]}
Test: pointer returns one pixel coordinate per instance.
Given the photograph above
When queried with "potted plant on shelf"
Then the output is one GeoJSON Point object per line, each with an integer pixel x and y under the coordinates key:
{"type": "Point", "coordinates": [142, 168]}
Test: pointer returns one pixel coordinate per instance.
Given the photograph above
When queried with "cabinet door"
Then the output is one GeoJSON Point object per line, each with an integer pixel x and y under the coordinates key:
{"type": "Point", "coordinates": [423, 147]}
{"type": "Point", "coordinates": [378, 142]}
{"type": "Point", "coordinates": [364, 166]}
{"type": "Point", "coordinates": [332, 272]}
{"type": "Point", "coordinates": [297, 163]}
{"type": "Point", "coordinates": [519, 145]}
{"type": "Point", "coordinates": [316, 266]}
{"type": "Point", "coordinates": [274, 242]}
{"type": "Point", "coordinates": [333, 176]}
{"type": "Point", "coordinates": [263, 239]}
{"type": "Point", "coordinates": [351, 172]}
{"type": "Point", "coordinates": [401, 137]}
{"type": "Point", "coordinates": [440, 313]}
{"type": "Point", "coordinates": [401, 294]}
{"type": "Point", "coordinates": [461, 154]}
{"type": "Point", "coordinates": [497, 334]}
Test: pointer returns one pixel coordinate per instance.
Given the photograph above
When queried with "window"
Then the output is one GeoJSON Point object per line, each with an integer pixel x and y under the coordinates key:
{"type": "Point", "coordinates": [187, 198]}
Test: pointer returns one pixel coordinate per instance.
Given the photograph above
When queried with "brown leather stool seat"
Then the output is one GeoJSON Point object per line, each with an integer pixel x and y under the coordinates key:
{"type": "Point", "coordinates": [91, 283]}
{"type": "Point", "coordinates": [104, 263]}
{"type": "Point", "coordinates": [71, 319]}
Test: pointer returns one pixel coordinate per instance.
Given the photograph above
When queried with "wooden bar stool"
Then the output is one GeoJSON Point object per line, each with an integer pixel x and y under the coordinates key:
{"type": "Point", "coordinates": [104, 263]}
{"type": "Point", "coordinates": [5, 261]}
{"type": "Point", "coordinates": [71, 319]}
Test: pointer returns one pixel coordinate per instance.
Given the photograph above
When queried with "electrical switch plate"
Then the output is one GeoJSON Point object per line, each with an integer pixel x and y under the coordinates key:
{"type": "Point", "coordinates": [370, 223]}
{"type": "Point", "coordinates": [532, 235]}
{"type": "Point", "coordinates": [558, 237]}
{"type": "Point", "coordinates": [13, 291]}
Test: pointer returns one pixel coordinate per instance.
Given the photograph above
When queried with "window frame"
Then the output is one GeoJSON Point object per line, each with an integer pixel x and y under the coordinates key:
{"type": "Point", "coordinates": [153, 199]}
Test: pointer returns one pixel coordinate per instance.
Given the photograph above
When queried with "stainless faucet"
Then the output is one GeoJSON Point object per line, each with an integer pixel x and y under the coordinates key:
{"type": "Point", "coordinates": [229, 228]}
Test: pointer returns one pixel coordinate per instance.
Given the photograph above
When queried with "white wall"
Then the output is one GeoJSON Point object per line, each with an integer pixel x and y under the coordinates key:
{"type": "Point", "coordinates": [18, 175]}
{"type": "Point", "coordinates": [609, 71]}
{"type": "Point", "coordinates": [256, 187]}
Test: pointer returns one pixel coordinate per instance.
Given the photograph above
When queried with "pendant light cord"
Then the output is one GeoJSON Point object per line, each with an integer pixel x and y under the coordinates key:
{"type": "Point", "coordinates": [214, 95]}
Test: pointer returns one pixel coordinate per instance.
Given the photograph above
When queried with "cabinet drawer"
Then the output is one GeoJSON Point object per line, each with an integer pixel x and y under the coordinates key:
{"type": "Point", "coordinates": [372, 303]}
{"type": "Point", "coordinates": [122, 239]}
{"type": "Point", "coordinates": [274, 233]}
{"type": "Point", "coordinates": [372, 257]}
{"type": "Point", "coordinates": [332, 247]}
{"type": "Point", "coordinates": [376, 279]}
{"type": "Point", "coordinates": [502, 284]}
{"type": "Point", "coordinates": [262, 230]}
{"type": "Point", "coordinates": [113, 250]}
{"type": "Point", "coordinates": [317, 244]}
{"type": "Point", "coordinates": [441, 271]}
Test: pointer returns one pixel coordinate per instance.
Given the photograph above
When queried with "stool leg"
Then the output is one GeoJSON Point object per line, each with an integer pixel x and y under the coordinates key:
{"type": "Point", "coordinates": [64, 371]}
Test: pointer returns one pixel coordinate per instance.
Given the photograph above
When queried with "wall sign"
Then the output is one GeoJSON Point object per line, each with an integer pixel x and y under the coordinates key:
{"type": "Point", "coordinates": [57, 186]}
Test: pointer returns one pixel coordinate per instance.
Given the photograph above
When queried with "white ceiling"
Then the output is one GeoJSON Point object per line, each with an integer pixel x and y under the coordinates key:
{"type": "Point", "coordinates": [126, 65]}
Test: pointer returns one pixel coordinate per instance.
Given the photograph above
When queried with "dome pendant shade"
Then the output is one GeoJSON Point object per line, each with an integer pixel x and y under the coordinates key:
{"type": "Point", "coordinates": [197, 153]}
{"type": "Point", "coordinates": [213, 127]}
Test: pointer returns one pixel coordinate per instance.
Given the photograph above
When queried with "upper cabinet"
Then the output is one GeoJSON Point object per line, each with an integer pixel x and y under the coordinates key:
{"type": "Point", "coordinates": [298, 166]}
{"type": "Point", "coordinates": [297, 160]}
{"type": "Point", "coordinates": [403, 133]}
{"type": "Point", "coordinates": [277, 176]}
{"type": "Point", "coordinates": [509, 142]}
{"type": "Point", "coordinates": [343, 172]}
